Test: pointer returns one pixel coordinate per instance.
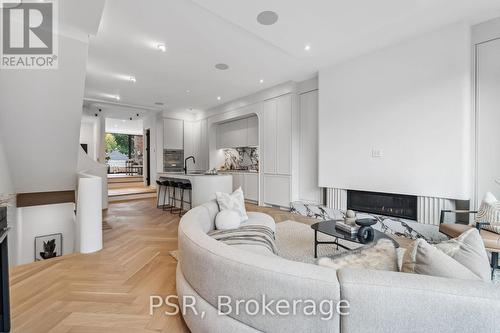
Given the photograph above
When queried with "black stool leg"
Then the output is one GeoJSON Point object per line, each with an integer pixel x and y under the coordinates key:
{"type": "Point", "coordinates": [182, 202]}
{"type": "Point", "coordinates": [172, 200]}
{"type": "Point", "coordinates": [494, 263]}
{"type": "Point", "coordinates": [165, 198]}
{"type": "Point", "coordinates": [158, 197]}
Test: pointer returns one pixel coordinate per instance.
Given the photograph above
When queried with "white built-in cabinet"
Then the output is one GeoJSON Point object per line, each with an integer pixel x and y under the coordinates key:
{"type": "Point", "coordinates": [173, 134]}
{"type": "Point", "coordinates": [195, 144]}
{"type": "Point", "coordinates": [309, 191]}
{"type": "Point", "coordinates": [238, 133]}
{"type": "Point", "coordinates": [278, 131]}
{"type": "Point", "coordinates": [249, 183]}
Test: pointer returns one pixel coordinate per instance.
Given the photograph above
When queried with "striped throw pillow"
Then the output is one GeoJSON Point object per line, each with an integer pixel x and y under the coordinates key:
{"type": "Point", "coordinates": [489, 212]}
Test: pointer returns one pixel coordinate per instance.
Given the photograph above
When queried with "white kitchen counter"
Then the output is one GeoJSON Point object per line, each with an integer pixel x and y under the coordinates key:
{"type": "Point", "coordinates": [204, 186]}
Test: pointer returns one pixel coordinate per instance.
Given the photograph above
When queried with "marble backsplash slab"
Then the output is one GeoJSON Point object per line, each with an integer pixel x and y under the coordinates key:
{"type": "Point", "coordinates": [246, 158]}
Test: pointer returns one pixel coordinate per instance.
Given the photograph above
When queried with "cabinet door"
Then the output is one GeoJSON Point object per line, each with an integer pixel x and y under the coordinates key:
{"type": "Point", "coordinates": [204, 144]}
{"type": "Point", "coordinates": [253, 131]}
{"type": "Point", "coordinates": [196, 132]}
{"type": "Point", "coordinates": [238, 181]}
{"type": "Point", "coordinates": [251, 188]}
{"type": "Point", "coordinates": [277, 190]}
{"type": "Point", "coordinates": [222, 135]}
{"type": "Point", "coordinates": [240, 133]}
{"type": "Point", "coordinates": [173, 134]}
{"type": "Point", "coordinates": [188, 139]}
{"type": "Point", "coordinates": [284, 135]}
{"type": "Point", "coordinates": [269, 144]}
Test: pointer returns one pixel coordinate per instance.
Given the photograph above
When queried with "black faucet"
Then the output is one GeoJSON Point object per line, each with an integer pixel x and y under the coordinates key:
{"type": "Point", "coordinates": [185, 163]}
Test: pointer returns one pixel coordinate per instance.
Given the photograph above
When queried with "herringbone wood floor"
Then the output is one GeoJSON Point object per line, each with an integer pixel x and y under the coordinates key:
{"type": "Point", "coordinates": [107, 291]}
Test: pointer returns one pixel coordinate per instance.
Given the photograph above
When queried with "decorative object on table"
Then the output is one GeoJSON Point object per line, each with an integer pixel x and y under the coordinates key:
{"type": "Point", "coordinates": [330, 228]}
{"type": "Point", "coordinates": [365, 232]}
{"type": "Point", "coordinates": [212, 172]}
{"type": "Point", "coordinates": [347, 227]}
{"type": "Point", "coordinates": [234, 201]}
{"type": "Point", "coordinates": [387, 225]}
{"type": "Point", "coordinates": [48, 246]}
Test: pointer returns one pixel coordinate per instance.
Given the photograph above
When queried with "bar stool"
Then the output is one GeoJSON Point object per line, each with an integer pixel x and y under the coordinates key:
{"type": "Point", "coordinates": [166, 197]}
{"type": "Point", "coordinates": [174, 184]}
{"type": "Point", "coordinates": [160, 186]}
{"type": "Point", "coordinates": [186, 186]}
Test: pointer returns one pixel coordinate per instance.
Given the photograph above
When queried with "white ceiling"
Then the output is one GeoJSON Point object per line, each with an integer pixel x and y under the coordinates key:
{"type": "Point", "coordinates": [122, 126]}
{"type": "Point", "coordinates": [201, 33]}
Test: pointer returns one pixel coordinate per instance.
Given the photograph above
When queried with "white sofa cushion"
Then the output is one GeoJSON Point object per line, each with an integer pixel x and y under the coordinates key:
{"type": "Point", "coordinates": [233, 201]}
{"type": "Point", "coordinates": [227, 219]}
{"type": "Point", "coordinates": [257, 218]}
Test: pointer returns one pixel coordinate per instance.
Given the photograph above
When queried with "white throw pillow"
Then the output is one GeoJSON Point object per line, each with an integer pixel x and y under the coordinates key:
{"type": "Point", "coordinates": [234, 201]}
{"type": "Point", "coordinates": [227, 219]}
{"type": "Point", "coordinates": [489, 212]}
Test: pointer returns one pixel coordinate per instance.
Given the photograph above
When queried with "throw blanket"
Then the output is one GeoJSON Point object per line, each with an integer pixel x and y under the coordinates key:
{"type": "Point", "coordinates": [247, 235]}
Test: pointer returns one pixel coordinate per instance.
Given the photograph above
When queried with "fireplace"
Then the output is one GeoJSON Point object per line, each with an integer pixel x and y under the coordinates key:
{"type": "Point", "coordinates": [387, 204]}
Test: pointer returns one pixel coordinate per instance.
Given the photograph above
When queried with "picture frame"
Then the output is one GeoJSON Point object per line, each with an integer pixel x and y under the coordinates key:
{"type": "Point", "coordinates": [48, 246]}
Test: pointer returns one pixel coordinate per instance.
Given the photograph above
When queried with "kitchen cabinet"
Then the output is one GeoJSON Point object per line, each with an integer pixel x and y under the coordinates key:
{"type": "Point", "coordinates": [195, 143]}
{"type": "Point", "coordinates": [173, 134]}
{"type": "Point", "coordinates": [278, 138]}
{"type": "Point", "coordinates": [277, 190]}
{"type": "Point", "coordinates": [253, 131]}
{"type": "Point", "coordinates": [269, 135]}
{"type": "Point", "coordinates": [249, 183]}
{"type": "Point", "coordinates": [278, 135]}
{"type": "Point", "coordinates": [238, 133]}
{"type": "Point", "coordinates": [251, 186]}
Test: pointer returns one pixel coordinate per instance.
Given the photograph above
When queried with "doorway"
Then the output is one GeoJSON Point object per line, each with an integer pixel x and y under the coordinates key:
{"type": "Point", "coordinates": [148, 157]}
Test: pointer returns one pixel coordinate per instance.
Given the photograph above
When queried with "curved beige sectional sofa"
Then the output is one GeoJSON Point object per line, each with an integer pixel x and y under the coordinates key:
{"type": "Point", "coordinates": [379, 301]}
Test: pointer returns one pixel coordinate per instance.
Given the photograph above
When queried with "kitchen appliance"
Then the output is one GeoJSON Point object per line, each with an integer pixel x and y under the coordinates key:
{"type": "Point", "coordinates": [173, 160]}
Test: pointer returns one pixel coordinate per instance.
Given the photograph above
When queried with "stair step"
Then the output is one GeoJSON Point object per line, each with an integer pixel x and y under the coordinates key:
{"type": "Point", "coordinates": [125, 179]}
{"type": "Point", "coordinates": [125, 185]}
{"type": "Point", "coordinates": [126, 197]}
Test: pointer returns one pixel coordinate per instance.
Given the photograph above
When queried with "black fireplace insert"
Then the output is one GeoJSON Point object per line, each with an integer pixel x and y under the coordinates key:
{"type": "Point", "coordinates": [387, 204]}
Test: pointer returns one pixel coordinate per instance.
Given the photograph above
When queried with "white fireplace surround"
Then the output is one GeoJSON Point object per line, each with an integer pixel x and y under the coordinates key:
{"type": "Point", "coordinates": [428, 208]}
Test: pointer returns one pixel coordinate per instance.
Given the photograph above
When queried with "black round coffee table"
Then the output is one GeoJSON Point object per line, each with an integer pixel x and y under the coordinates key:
{"type": "Point", "coordinates": [329, 228]}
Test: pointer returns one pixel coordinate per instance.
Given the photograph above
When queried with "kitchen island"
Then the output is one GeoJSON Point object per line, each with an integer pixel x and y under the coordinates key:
{"type": "Point", "coordinates": [204, 186]}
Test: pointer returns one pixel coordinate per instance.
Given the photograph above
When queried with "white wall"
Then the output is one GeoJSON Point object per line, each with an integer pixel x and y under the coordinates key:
{"type": "Point", "coordinates": [412, 102]}
{"type": "Point", "coordinates": [88, 136]}
{"type": "Point", "coordinates": [41, 117]}
{"type": "Point", "coordinates": [39, 221]}
{"type": "Point", "coordinates": [6, 188]}
{"type": "Point", "coordinates": [154, 123]}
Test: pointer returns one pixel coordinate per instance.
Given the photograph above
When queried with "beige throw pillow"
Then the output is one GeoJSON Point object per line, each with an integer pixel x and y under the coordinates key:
{"type": "Point", "coordinates": [380, 256]}
{"type": "Point", "coordinates": [462, 258]}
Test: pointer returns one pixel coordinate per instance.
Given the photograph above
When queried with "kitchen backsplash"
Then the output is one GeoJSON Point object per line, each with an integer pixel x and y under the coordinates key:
{"type": "Point", "coordinates": [246, 158]}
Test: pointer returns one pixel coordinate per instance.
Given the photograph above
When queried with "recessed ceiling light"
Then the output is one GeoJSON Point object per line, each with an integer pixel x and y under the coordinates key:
{"type": "Point", "coordinates": [267, 17]}
{"type": "Point", "coordinates": [123, 120]}
{"type": "Point", "coordinates": [188, 91]}
{"type": "Point", "coordinates": [261, 81]}
{"type": "Point", "coordinates": [222, 66]}
{"type": "Point", "coordinates": [162, 47]}
{"type": "Point", "coordinates": [307, 47]}
{"type": "Point", "coordinates": [218, 98]}
{"type": "Point", "coordinates": [132, 79]}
